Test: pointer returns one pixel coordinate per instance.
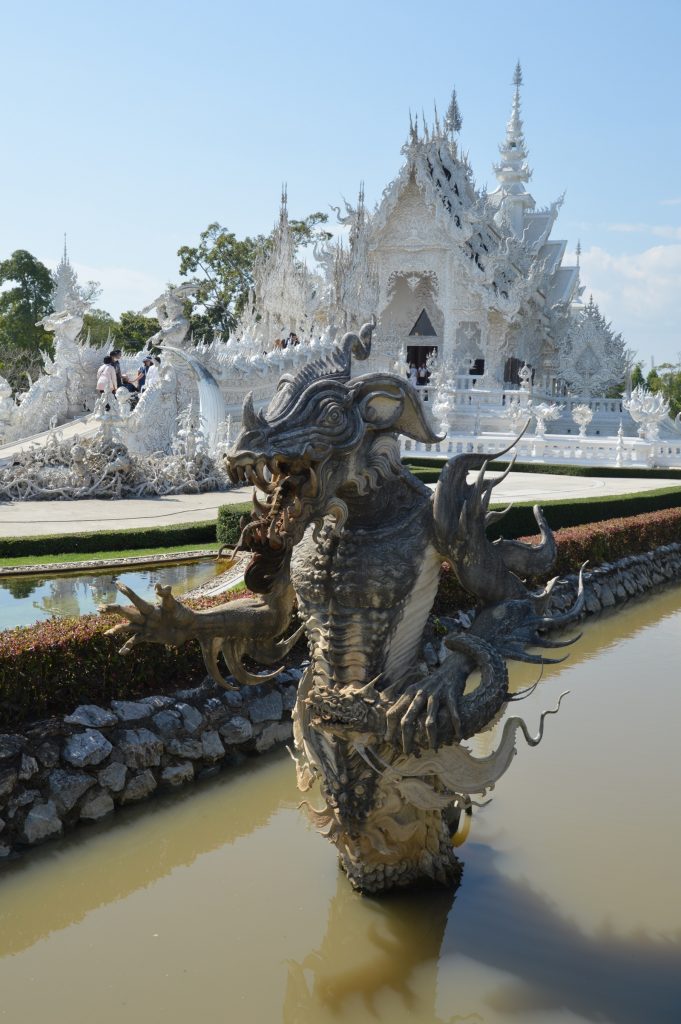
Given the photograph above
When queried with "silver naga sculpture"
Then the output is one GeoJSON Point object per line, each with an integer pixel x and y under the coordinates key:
{"type": "Point", "coordinates": [343, 529]}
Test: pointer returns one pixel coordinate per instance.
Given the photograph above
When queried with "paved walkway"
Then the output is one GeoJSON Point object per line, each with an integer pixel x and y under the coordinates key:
{"type": "Point", "coordinates": [33, 518]}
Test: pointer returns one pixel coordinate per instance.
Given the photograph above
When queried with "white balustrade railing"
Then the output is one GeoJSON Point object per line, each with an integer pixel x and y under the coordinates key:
{"type": "Point", "coordinates": [558, 448]}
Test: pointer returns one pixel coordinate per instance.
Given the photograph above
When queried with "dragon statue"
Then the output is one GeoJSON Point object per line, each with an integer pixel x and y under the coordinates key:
{"type": "Point", "coordinates": [340, 527]}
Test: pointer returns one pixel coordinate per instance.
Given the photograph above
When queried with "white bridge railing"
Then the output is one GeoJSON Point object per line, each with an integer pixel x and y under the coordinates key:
{"type": "Point", "coordinates": [558, 448]}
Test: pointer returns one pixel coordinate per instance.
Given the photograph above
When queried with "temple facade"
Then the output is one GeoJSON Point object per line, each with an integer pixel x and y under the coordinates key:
{"type": "Point", "coordinates": [470, 277]}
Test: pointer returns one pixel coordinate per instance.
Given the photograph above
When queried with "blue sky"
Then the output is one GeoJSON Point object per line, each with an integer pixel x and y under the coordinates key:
{"type": "Point", "coordinates": [131, 126]}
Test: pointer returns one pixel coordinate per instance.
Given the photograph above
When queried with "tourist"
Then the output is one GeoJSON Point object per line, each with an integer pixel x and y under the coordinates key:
{"type": "Point", "coordinates": [121, 378]}
{"type": "Point", "coordinates": [115, 357]}
{"type": "Point", "coordinates": [152, 376]}
{"type": "Point", "coordinates": [106, 378]}
{"type": "Point", "coordinates": [412, 375]}
{"type": "Point", "coordinates": [147, 363]}
{"type": "Point", "coordinates": [423, 375]}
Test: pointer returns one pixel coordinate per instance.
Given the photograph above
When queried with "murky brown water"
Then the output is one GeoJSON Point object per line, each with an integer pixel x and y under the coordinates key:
{"type": "Point", "coordinates": [222, 905]}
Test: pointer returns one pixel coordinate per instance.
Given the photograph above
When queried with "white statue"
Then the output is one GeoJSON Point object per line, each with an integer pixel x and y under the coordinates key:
{"type": "Point", "coordinates": [544, 413]}
{"type": "Point", "coordinates": [582, 415]}
{"type": "Point", "coordinates": [649, 409]}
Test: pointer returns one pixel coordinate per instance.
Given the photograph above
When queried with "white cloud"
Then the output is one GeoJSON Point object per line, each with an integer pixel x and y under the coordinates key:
{"type": "Point", "coordinates": [658, 230]}
{"type": "Point", "coordinates": [671, 202]}
{"type": "Point", "coordinates": [641, 294]}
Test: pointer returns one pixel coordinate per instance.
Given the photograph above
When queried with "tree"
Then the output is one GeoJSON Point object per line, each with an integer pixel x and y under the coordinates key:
{"type": "Point", "coordinates": [134, 330]}
{"type": "Point", "coordinates": [98, 326]}
{"type": "Point", "coordinates": [637, 375]}
{"type": "Point", "coordinates": [666, 378]}
{"type": "Point", "coordinates": [21, 306]}
{"type": "Point", "coordinates": [224, 265]}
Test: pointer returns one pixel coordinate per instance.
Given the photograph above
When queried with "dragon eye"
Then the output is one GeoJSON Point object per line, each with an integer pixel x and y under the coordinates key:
{"type": "Point", "coordinates": [332, 415]}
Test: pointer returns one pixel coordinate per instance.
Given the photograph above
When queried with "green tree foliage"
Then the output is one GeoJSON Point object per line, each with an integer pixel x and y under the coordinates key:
{"type": "Point", "coordinates": [130, 333]}
{"type": "Point", "coordinates": [25, 297]}
{"type": "Point", "coordinates": [223, 266]}
{"type": "Point", "coordinates": [637, 377]}
{"type": "Point", "coordinates": [134, 330]}
{"type": "Point", "coordinates": [98, 327]}
{"type": "Point", "coordinates": [666, 378]}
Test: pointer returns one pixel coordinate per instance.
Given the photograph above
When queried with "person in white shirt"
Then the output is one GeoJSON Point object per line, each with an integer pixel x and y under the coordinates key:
{"type": "Point", "coordinates": [152, 374]}
{"type": "Point", "coordinates": [106, 377]}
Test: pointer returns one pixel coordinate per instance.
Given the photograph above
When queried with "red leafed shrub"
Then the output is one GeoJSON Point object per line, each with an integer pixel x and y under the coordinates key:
{"type": "Point", "coordinates": [595, 543]}
{"type": "Point", "coordinates": [51, 667]}
{"type": "Point", "coordinates": [612, 539]}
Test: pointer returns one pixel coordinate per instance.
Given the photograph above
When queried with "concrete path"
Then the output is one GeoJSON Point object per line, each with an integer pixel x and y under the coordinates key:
{"type": "Point", "coordinates": [32, 518]}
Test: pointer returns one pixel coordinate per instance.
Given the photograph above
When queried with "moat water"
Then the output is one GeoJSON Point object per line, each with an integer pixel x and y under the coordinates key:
{"type": "Point", "coordinates": [28, 599]}
{"type": "Point", "coordinates": [222, 905]}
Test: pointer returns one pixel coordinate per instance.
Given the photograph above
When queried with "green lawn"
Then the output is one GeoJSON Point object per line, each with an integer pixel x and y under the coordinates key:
{"type": "Point", "coordinates": [104, 555]}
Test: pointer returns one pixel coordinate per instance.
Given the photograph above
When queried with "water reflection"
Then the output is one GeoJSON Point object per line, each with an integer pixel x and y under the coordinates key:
{"type": "Point", "coordinates": [222, 904]}
{"type": "Point", "coordinates": [28, 599]}
{"type": "Point", "coordinates": [393, 956]}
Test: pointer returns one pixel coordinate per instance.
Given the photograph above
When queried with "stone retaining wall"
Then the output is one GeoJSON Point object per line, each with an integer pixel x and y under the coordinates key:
{"type": "Point", "coordinates": [614, 583]}
{"type": "Point", "coordinates": [81, 767]}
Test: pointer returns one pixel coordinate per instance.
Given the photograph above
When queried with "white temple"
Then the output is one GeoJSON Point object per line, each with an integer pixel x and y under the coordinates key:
{"type": "Point", "coordinates": [472, 277]}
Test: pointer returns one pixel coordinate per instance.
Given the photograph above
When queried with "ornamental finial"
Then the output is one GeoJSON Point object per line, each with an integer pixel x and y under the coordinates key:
{"type": "Point", "coordinates": [453, 120]}
{"type": "Point", "coordinates": [578, 251]}
{"type": "Point", "coordinates": [518, 75]}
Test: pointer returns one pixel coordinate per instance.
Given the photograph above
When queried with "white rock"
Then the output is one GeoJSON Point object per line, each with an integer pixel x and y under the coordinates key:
{"type": "Point", "coordinates": [213, 749]}
{"type": "Point", "coordinates": [42, 821]}
{"type": "Point", "coordinates": [96, 805]}
{"type": "Point", "coordinates": [91, 715]}
{"type": "Point", "coordinates": [89, 747]}
{"type": "Point", "coordinates": [178, 774]}
{"type": "Point", "coordinates": [28, 767]}
{"type": "Point", "coordinates": [140, 748]}
{"type": "Point", "coordinates": [113, 777]}
{"type": "Point", "coordinates": [130, 710]}
{"type": "Point", "coordinates": [68, 787]}
{"type": "Point", "coordinates": [237, 730]}
{"type": "Point", "coordinates": [139, 787]}
{"type": "Point", "coordinates": [275, 732]}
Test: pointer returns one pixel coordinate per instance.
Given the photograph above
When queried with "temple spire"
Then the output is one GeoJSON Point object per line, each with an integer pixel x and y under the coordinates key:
{"type": "Point", "coordinates": [453, 119]}
{"type": "Point", "coordinates": [512, 171]}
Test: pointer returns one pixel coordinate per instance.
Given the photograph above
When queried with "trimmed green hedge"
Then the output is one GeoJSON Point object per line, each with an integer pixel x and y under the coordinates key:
{"type": "Point", "coordinates": [109, 540]}
{"type": "Point", "coordinates": [228, 529]}
{"type": "Point", "coordinates": [418, 465]}
{"type": "Point", "coordinates": [520, 521]}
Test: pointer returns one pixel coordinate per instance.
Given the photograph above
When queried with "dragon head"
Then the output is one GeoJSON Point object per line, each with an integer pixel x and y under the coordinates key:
{"type": "Point", "coordinates": [324, 437]}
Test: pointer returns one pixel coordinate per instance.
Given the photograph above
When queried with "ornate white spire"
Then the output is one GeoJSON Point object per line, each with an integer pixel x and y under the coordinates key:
{"type": "Point", "coordinates": [512, 171]}
{"type": "Point", "coordinates": [453, 120]}
{"type": "Point", "coordinates": [65, 279]}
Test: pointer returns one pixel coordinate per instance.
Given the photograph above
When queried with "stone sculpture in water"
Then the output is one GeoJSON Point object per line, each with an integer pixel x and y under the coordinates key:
{"type": "Point", "coordinates": [342, 527]}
